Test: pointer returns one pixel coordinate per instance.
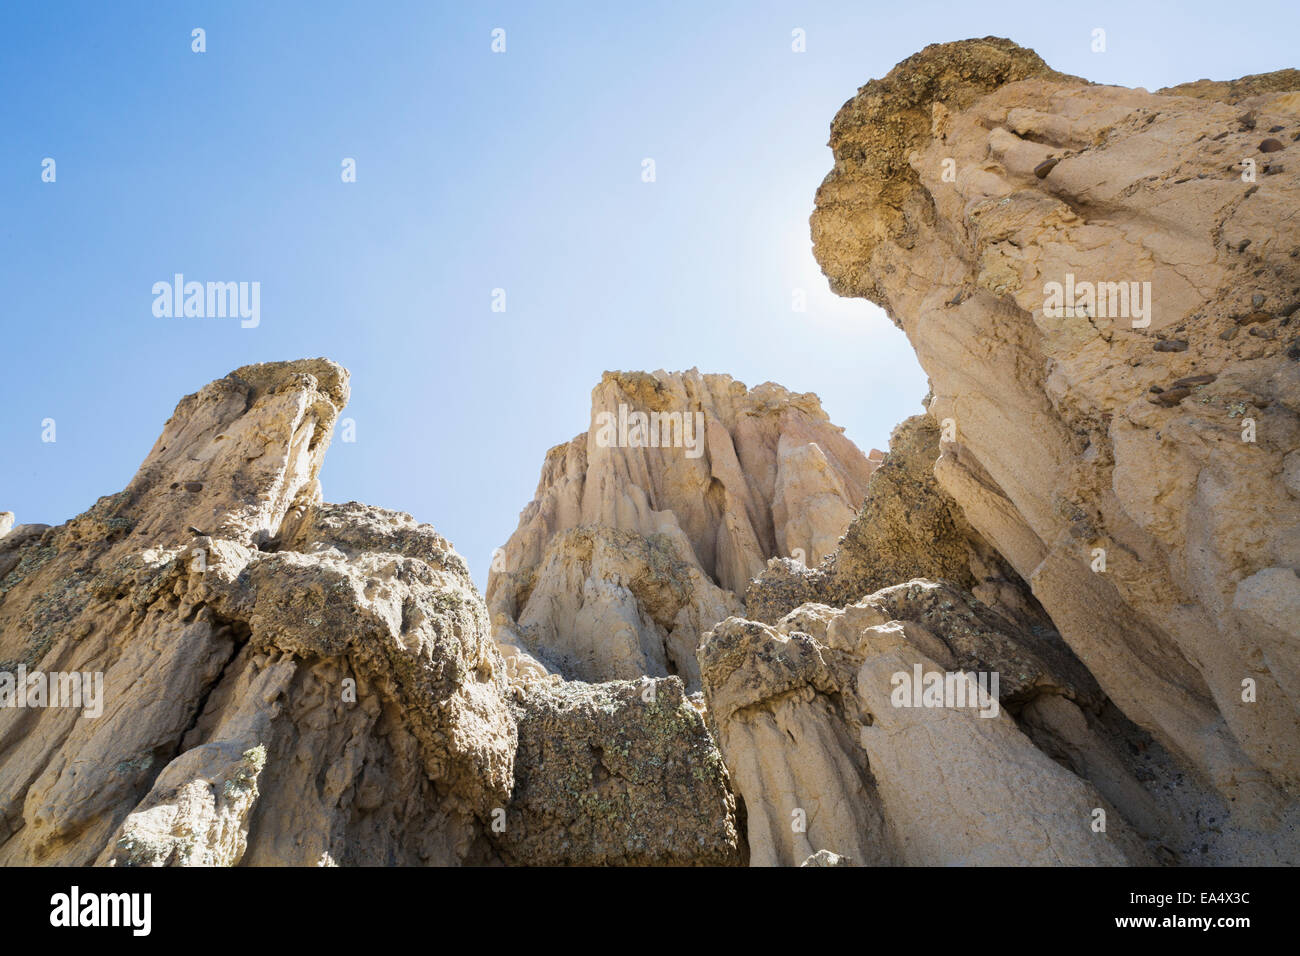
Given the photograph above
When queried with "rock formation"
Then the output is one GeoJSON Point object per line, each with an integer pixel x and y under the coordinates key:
{"type": "Point", "coordinates": [617, 773]}
{"type": "Point", "coordinates": [633, 547]}
{"type": "Point", "coordinates": [292, 682]}
{"type": "Point", "coordinates": [981, 618]}
{"type": "Point", "coordinates": [1057, 624]}
{"type": "Point", "coordinates": [1131, 453]}
{"type": "Point", "coordinates": [908, 528]}
{"type": "Point", "coordinates": [824, 757]}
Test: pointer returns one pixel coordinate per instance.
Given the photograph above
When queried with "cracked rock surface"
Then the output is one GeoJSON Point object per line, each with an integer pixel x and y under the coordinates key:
{"type": "Point", "coordinates": [1164, 448]}
{"type": "Point", "coordinates": [304, 683]}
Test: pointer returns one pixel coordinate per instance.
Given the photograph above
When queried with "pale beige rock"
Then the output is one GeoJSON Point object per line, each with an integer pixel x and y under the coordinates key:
{"type": "Point", "coordinates": [611, 604]}
{"type": "Point", "coordinates": [198, 818]}
{"type": "Point", "coordinates": [521, 666]}
{"type": "Point", "coordinates": [211, 649]}
{"type": "Point", "coordinates": [806, 721]}
{"type": "Point", "coordinates": [960, 788]}
{"type": "Point", "coordinates": [289, 682]}
{"type": "Point", "coordinates": [627, 555]}
{"type": "Point", "coordinates": [1062, 730]}
{"type": "Point", "coordinates": [1061, 447]}
{"type": "Point", "coordinates": [1268, 602]}
{"type": "Point", "coordinates": [775, 704]}
{"type": "Point", "coordinates": [827, 858]}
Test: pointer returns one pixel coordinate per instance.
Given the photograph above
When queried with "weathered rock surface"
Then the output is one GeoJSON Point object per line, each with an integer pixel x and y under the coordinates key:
{"type": "Point", "coordinates": [610, 602]}
{"type": "Point", "coordinates": [628, 554]}
{"type": "Point", "coordinates": [823, 757]}
{"type": "Point", "coordinates": [1100, 507]}
{"type": "Point", "coordinates": [908, 528]}
{"type": "Point", "coordinates": [622, 772]}
{"type": "Point", "coordinates": [827, 858]}
{"type": "Point", "coordinates": [292, 682]}
{"type": "Point", "coordinates": [1163, 447]}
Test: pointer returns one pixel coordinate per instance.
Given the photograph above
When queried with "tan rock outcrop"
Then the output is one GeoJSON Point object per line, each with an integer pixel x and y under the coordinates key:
{"type": "Point", "coordinates": [965, 183]}
{"type": "Point", "coordinates": [823, 756]}
{"type": "Point", "coordinates": [609, 603]}
{"type": "Point", "coordinates": [286, 681]}
{"type": "Point", "coordinates": [212, 650]}
{"type": "Point", "coordinates": [1099, 514]}
{"type": "Point", "coordinates": [633, 547]}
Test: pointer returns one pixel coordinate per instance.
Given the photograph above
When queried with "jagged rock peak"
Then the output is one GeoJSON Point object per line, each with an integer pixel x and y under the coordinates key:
{"type": "Point", "coordinates": [283, 681]}
{"type": "Point", "coordinates": [636, 542]}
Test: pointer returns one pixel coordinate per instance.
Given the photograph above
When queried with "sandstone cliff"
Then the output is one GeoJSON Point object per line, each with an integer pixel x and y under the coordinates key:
{"type": "Point", "coordinates": [629, 551]}
{"type": "Point", "coordinates": [292, 682]}
{"type": "Point", "coordinates": [1091, 539]}
{"type": "Point", "coordinates": [806, 720]}
{"type": "Point", "coordinates": [1138, 470]}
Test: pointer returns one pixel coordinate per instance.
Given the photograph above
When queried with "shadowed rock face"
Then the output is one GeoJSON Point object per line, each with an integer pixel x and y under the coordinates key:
{"type": "Point", "coordinates": [302, 682]}
{"type": "Point", "coordinates": [617, 773]}
{"type": "Point", "coordinates": [908, 528]}
{"type": "Point", "coordinates": [1168, 446]}
{"type": "Point", "coordinates": [627, 555]}
{"type": "Point", "coordinates": [823, 757]}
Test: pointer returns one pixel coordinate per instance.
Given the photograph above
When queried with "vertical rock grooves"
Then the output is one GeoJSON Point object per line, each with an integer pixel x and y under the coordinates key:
{"type": "Point", "coordinates": [1157, 439]}
{"type": "Point", "coordinates": [635, 544]}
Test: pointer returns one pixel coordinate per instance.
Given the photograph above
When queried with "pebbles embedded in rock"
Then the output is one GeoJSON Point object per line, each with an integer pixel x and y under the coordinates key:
{"type": "Point", "coordinates": [1271, 145]}
{"type": "Point", "coordinates": [1045, 167]}
{"type": "Point", "coordinates": [1169, 398]}
{"type": "Point", "coordinates": [1191, 381]}
{"type": "Point", "coordinates": [194, 486]}
{"type": "Point", "coordinates": [1252, 317]}
{"type": "Point", "coordinates": [1171, 345]}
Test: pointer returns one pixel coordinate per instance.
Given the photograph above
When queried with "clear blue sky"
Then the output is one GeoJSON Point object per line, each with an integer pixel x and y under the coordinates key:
{"type": "Point", "coordinates": [475, 171]}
